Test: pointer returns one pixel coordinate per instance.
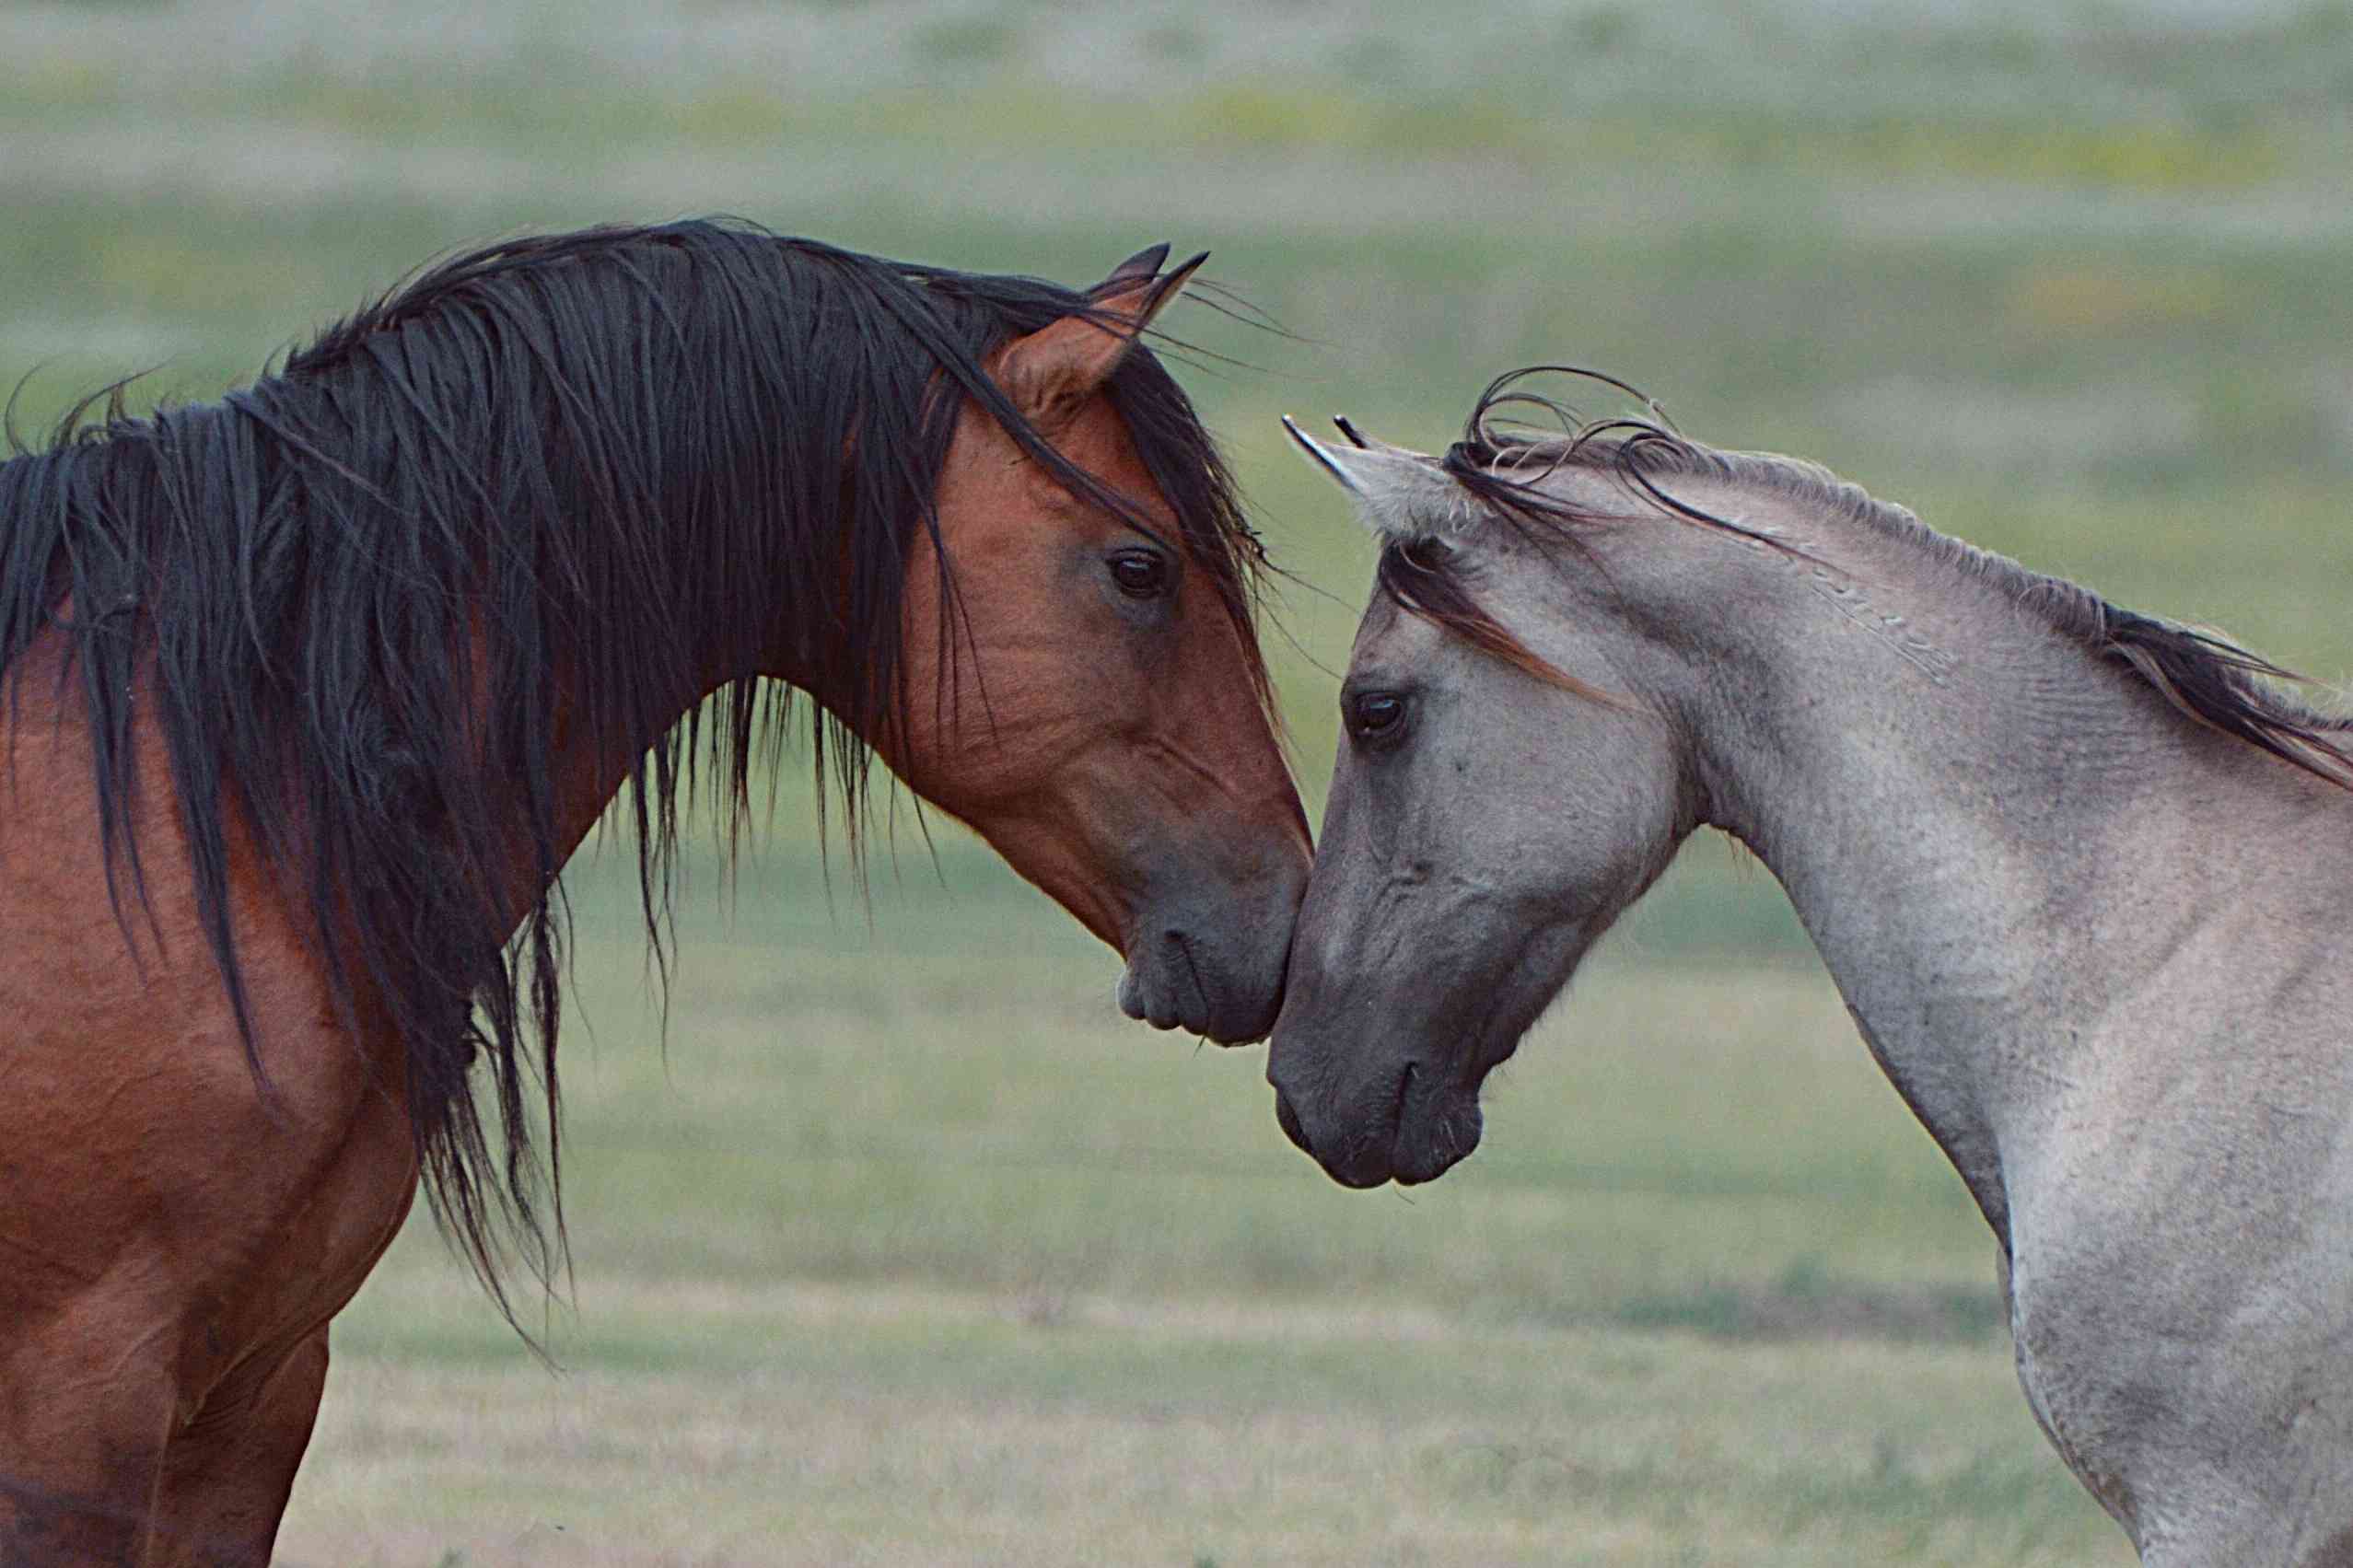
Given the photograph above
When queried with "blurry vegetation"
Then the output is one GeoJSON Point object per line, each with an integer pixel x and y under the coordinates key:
{"type": "Point", "coordinates": [966, 40]}
{"type": "Point", "coordinates": [905, 1246]}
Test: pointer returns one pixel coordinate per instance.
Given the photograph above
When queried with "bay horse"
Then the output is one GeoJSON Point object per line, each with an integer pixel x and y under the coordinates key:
{"type": "Point", "coordinates": [310, 692]}
{"type": "Point", "coordinates": [2084, 877]}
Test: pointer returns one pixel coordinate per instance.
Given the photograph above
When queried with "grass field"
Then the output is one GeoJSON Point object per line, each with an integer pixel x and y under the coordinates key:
{"type": "Point", "coordinates": [900, 1258]}
{"type": "Point", "coordinates": [907, 1250]}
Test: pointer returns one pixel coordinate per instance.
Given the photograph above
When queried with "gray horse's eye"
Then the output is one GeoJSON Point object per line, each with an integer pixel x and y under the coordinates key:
{"type": "Point", "coordinates": [1374, 714]}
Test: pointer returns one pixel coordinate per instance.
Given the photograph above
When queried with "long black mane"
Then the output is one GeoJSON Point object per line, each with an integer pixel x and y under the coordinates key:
{"type": "Point", "coordinates": [548, 488]}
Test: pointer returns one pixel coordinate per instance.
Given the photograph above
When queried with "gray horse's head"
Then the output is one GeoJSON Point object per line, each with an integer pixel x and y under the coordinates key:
{"type": "Point", "coordinates": [1507, 784]}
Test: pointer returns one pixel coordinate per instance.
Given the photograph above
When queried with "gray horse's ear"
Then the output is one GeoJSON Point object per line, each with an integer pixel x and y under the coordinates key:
{"type": "Point", "coordinates": [1145, 263]}
{"type": "Point", "coordinates": [1402, 494]}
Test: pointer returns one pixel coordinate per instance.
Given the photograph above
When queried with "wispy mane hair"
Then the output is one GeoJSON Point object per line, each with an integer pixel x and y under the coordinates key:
{"type": "Point", "coordinates": [1502, 461]}
{"type": "Point", "coordinates": [545, 491]}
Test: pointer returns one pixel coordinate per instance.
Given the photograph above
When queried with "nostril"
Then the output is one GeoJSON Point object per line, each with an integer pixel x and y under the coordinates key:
{"type": "Point", "coordinates": [1289, 1121]}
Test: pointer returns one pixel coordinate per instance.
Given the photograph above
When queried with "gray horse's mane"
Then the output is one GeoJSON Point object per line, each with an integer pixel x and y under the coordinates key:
{"type": "Point", "coordinates": [2206, 678]}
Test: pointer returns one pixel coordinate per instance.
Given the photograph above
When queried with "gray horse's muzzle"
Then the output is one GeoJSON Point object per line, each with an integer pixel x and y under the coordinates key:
{"type": "Point", "coordinates": [1404, 1123]}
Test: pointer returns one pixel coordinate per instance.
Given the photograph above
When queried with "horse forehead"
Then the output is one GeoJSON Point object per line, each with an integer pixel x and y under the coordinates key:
{"type": "Point", "coordinates": [1098, 441]}
{"type": "Point", "coordinates": [1097, 438]}
{"type": "Point", "coordinates": [993, 490]}
{"type": "Point", "coordinates": [1390, 639]}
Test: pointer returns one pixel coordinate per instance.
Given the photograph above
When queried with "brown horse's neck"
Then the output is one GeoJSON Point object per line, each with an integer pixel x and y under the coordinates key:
{"type": "Point", "coordinates": [591, 764]}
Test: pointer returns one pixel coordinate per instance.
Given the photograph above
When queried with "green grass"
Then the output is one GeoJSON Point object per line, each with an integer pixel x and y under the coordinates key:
{"type": "Point", "coordinates": [905, 1253]}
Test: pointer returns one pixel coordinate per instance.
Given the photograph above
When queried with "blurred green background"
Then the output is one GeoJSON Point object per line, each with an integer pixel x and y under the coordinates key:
{"type": "Point", "coordinates": [907, 1249]}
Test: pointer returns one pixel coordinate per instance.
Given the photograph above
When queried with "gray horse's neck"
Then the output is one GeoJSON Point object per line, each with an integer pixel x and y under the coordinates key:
{"type": "Point", "coordinates": [1994, 837]}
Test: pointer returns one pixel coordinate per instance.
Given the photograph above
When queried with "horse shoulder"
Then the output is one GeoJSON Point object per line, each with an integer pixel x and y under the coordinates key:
{"type": "Point", "coordinates": [143, 1164]}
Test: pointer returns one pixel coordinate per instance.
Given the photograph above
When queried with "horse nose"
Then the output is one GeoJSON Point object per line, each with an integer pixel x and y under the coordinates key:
{"type": "Point", "coordinates": [1209, 967]}
{"type": "Point", "coordinates": [1351, 1154]}
{"type": "Point", "coordinates": [1288, 1119]}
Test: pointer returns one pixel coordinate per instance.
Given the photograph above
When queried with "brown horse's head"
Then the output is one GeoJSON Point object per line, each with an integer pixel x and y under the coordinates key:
{"type": "Point", "coordinates": [1084, 688]}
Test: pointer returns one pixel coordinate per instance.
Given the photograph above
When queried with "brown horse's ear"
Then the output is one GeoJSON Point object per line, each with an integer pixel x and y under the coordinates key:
{"type": "Point", "coordinates": [1145, 263]}
{"type": "Point", "coordinates": [1062, 364]}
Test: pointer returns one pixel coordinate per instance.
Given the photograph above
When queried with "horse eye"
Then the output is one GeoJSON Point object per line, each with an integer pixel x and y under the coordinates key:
{"type": "Point", "coordinates": [1376, 713]}
{"type": "Point", "coordinates": [1140, 574]}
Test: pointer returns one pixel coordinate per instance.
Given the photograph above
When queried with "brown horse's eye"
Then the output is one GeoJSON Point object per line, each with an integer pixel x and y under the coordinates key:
{"type": "Point", "coordinates": [1140, 574]}
{"type": "Point", "coordinates": [1373, 714]}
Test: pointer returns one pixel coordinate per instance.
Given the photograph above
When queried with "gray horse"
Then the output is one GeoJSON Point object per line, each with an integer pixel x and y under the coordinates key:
{"type": "Point", "coordinates": [2083, 876]}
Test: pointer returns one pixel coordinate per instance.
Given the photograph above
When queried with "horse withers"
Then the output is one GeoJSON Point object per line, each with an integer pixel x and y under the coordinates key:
{"type": "Point", "coordinates": [2084, 877]}
{"type": "Point", "coordinates": [309, 694]}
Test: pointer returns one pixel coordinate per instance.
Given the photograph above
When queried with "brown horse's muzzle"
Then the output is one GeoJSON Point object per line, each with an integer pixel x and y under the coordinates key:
{"type": "Point", "coordinates": [1208, 957]}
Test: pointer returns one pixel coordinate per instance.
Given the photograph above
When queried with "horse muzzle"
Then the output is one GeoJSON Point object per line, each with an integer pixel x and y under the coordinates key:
{"type": "Point", "coordinates": [1404, 1123]}
{"type": "Point", "coordinates": [1209, 957]}
{"type": "Point", "coordinates": [1227, 985]}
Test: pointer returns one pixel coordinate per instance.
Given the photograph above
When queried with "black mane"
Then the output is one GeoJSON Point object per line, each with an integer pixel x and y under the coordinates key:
{"type": "Point", "coordinates": [615, 464]}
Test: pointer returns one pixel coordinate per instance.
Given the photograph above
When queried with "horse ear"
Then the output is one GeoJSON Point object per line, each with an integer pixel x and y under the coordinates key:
{"type": "Point", "coordinates": [1401, 494]}
{"type": "Point", "coordinates": [1145, 263]}
{"type": "Point", "coordinates": [1066, 362]}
